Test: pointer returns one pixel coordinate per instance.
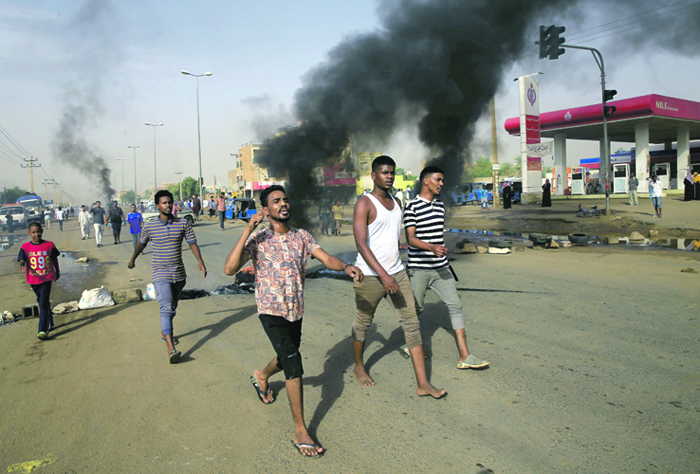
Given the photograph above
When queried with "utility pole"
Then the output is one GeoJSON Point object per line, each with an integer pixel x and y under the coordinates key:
{"type": "Point", "coordinates": [46, 193]}
{"type": "Point", "coordinates": [31, 167]}
{"type": "Point", "coordinates": [57, 197]}
{"type": "Point", "coordinates": [123, 188]}
{"type": "Point", "coordinates": [180, 174]}
{"type": "Point", "coordinates": [494, 155]}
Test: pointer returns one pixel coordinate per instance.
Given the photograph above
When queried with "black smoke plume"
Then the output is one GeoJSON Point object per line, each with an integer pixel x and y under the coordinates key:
{"type": "Point", "coordinates": [441, 61]}
{"type": "Point", "coordinates": [91, 39]}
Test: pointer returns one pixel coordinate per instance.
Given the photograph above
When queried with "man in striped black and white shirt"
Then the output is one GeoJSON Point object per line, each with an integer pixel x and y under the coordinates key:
{"type": "Point", "coordinates": [424, 221]}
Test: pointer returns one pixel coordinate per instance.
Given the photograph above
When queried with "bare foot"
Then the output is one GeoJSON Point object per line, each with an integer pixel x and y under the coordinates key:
{"type": "Point", "coordinates": [430, 390]}
{"type": "Point", "coordinates": [307, 446]}
{"type": "Point", "coordinates": [362, 376]}
{"type": "Point", "coordinates": [262, 381]}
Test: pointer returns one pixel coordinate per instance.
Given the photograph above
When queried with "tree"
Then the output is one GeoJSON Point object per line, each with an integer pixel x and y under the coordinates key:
{"type": "Point", "coordinates": [9, 196]}
{"type": "Point", "coordinates": [190, 187]}
{"type": "Point", "coordinates": [508, 170]}
{"type": "Point", "coordinates": [482, 167]}
{"type": "Point", "coordinates": [545, 170]}
{"type": "Point", "coordinates": [129, 197]}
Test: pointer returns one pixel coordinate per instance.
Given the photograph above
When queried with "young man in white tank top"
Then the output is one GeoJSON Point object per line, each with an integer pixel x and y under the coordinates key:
{"type": "Point", "coordinates": [377, 226]}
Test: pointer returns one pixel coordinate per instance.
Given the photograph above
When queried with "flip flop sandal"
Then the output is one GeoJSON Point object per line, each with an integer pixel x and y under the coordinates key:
{"type": "Point", "coordinates": [259, 391]}
{"type": "Point", "coordinates": [306, 445]}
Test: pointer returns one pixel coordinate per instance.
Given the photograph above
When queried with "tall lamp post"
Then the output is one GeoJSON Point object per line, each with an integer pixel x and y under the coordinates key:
{"type": "Point", "coordinates": [123, 166]}
{"type": "Point", "coordinates": [199, 139]}
{"type": "Point", "coordinates": [136, 193]}
{"type": "Point", "coordinates": [155, 174]}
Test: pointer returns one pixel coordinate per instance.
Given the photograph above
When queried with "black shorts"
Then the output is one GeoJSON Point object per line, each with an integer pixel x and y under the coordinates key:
{"type": "Point", "coordinates": [285, 337]}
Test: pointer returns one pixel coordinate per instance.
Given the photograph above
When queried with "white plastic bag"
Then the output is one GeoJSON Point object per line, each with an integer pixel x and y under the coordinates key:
{"type": "Point", "coordinates": [96, 298]}
{"type": "Point", "coordinates": [150, 293]}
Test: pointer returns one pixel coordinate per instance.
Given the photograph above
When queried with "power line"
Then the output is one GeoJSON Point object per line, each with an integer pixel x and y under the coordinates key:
{"type": "Point", "coordinates": [576, 33]}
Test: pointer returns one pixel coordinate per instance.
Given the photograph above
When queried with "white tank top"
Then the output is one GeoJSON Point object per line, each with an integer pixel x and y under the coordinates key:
{"type": "Point", "coordinates": [383, 239]}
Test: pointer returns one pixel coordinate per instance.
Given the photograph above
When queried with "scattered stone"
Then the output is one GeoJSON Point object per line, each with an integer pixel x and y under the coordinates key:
{"type": "Point", "coordinates": [6, 316]}
{"type": "Point", "coordinates": [553, 245]}
{"type": "Point", "coordinates": [537, 247]}
{"type": "Point", "coordinates": [611, 240]}
{"type": "Point", "coordinates": [519, 249]}
{"type": "Point", "coordinates": [565, 244]}
{"type": "Point", "coordinates": [636, 237]}
{"type": "Point", "coordinates": [466, 248]}
{"type": "Point", "coordinates": [481, 249]}
{"type": "Point", "coordinates": [462, 242]}
{"type": "Point", "coordinates": [135, 279]}
{"type": "Point", "coordinates": [497, 250]}
{"type": "Point", "coordinates": [653, 233]}
{"type": "Point", "coordinates": [82, 260]}
{"type": "Point", "coordinates": [64, 308]}
{"type": "Point", "coordinates": [689, 270]}
{"type": "Point", "coordinates": [127, 296]}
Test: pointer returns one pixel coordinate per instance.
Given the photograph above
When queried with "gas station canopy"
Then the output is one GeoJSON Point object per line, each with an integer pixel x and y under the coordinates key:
{"type": "Point", "coordinates": [665, 115]}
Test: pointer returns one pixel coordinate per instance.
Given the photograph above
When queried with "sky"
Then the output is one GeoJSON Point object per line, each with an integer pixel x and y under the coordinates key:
{"type": "Point", "coordinates": [118, 64]}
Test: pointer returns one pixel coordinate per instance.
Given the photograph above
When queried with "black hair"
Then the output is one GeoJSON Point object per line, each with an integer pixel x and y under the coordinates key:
{"type": "Point", "coordinates": [267, 191]}
{"type": "Point", "coordinates": [429, 171]}
{"type": "Point", "coordinates": [162, 193]}
{"type": "Point", "coordinates": [34, 224]}
{"type": "Point", "coordinates": [381, 161]}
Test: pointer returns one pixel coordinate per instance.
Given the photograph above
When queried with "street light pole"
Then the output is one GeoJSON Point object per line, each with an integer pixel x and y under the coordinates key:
{"type": "Point", "coordinates": [179, 173]}
{"type": "Point", "coordinates": [155, 174]}
{"type": "Point", "coordinates": [136, 193]}
{"type": "Point", "coordinates": [199, 139]}
{"type": "Point", "coordinates": [123, 166]}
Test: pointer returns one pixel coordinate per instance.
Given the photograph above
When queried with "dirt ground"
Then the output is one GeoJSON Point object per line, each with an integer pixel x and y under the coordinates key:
{"type": "Point", "coordinates": [593, 367]}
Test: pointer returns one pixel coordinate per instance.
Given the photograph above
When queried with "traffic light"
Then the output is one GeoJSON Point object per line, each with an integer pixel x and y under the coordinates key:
{"type": "Point", "coordinates": [550, 41]}
{"type": "Point", "coordinates": [608, 94]}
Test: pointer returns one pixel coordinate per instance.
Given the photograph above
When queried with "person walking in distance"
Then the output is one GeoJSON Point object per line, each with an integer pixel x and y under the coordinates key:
{"type": "Point", "coordinates": [196, 207]}
{"type": "Point", "coordinates": [59, 217]}
{"type": "Point", "coordinates": [221, 209]}
{"type": "Point", "coordinates": [84, 221]}
{"type": "Point", "coordinates": [633, 185]}
{"type": "Point", "coordinates": [279, 254]}
{"type": "Point", "coordinates": [377, 227]}
{"type": "Point", "coordinates": [428, 269]}
{"type": "Point", "coordinates": [99, 217]}
{"type": "Point", "coordinates": [656, 188]}
{"type": "Point", "coordinates": [168, 271]}
{"type": "Point", "coordinates": [338, 216]}
{"type": "Point", "coordinates": [135, 222]}
{"type": "Point", "coordinates": [116, 219]}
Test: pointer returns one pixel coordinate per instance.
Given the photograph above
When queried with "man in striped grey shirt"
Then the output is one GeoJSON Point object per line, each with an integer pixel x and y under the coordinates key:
{"type": "Point", "coordinates": [424, 221]}
{"type": "Point", "coordinates": [168, 271]}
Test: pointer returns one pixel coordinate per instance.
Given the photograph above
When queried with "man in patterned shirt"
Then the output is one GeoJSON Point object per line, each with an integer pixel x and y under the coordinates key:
{"type": "Point", "coordinates": [424, 221]}
{"type": "Point", "coordinates": [169, 277]}
{"type": "Point", "coordinates": [279, 255]}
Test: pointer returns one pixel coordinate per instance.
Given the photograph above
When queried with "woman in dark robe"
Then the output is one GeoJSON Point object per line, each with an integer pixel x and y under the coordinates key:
{"type": "Point", "coordinates": [546, 194]}
{"type": "Point", "coordinates": [689, 186]}
{"type": "Point", "coordinates": [507, 195]}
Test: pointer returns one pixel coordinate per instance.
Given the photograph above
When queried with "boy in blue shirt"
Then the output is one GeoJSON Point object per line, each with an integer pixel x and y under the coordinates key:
{"type": "Point", "coordinates": [135, 222]}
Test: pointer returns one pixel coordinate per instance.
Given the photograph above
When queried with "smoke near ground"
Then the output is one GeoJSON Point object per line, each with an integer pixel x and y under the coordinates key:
{"type": "Point", "coordinates": [91, 38]}
{"type": "Point", "coordinates": [441, 61]}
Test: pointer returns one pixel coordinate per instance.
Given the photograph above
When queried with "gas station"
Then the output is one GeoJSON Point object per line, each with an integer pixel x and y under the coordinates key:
{"type": "Point", "coordinates": [645, 120]}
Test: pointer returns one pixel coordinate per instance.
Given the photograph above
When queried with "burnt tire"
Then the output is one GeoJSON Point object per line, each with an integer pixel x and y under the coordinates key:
{"type": "Point", "coordinates": [579, 238]}
{"type": "Point", "coordinates": [501, 244]}
{"type": "Point", "coordinates": [540, 239]}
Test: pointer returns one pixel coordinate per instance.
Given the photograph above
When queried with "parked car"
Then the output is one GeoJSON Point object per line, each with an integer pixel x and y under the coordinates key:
{"type": "Point", "coordinates": [152, 213]}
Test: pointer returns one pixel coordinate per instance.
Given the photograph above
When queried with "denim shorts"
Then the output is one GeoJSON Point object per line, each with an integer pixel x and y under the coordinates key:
{"type": "Point", "coordinates": [657, 201]}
